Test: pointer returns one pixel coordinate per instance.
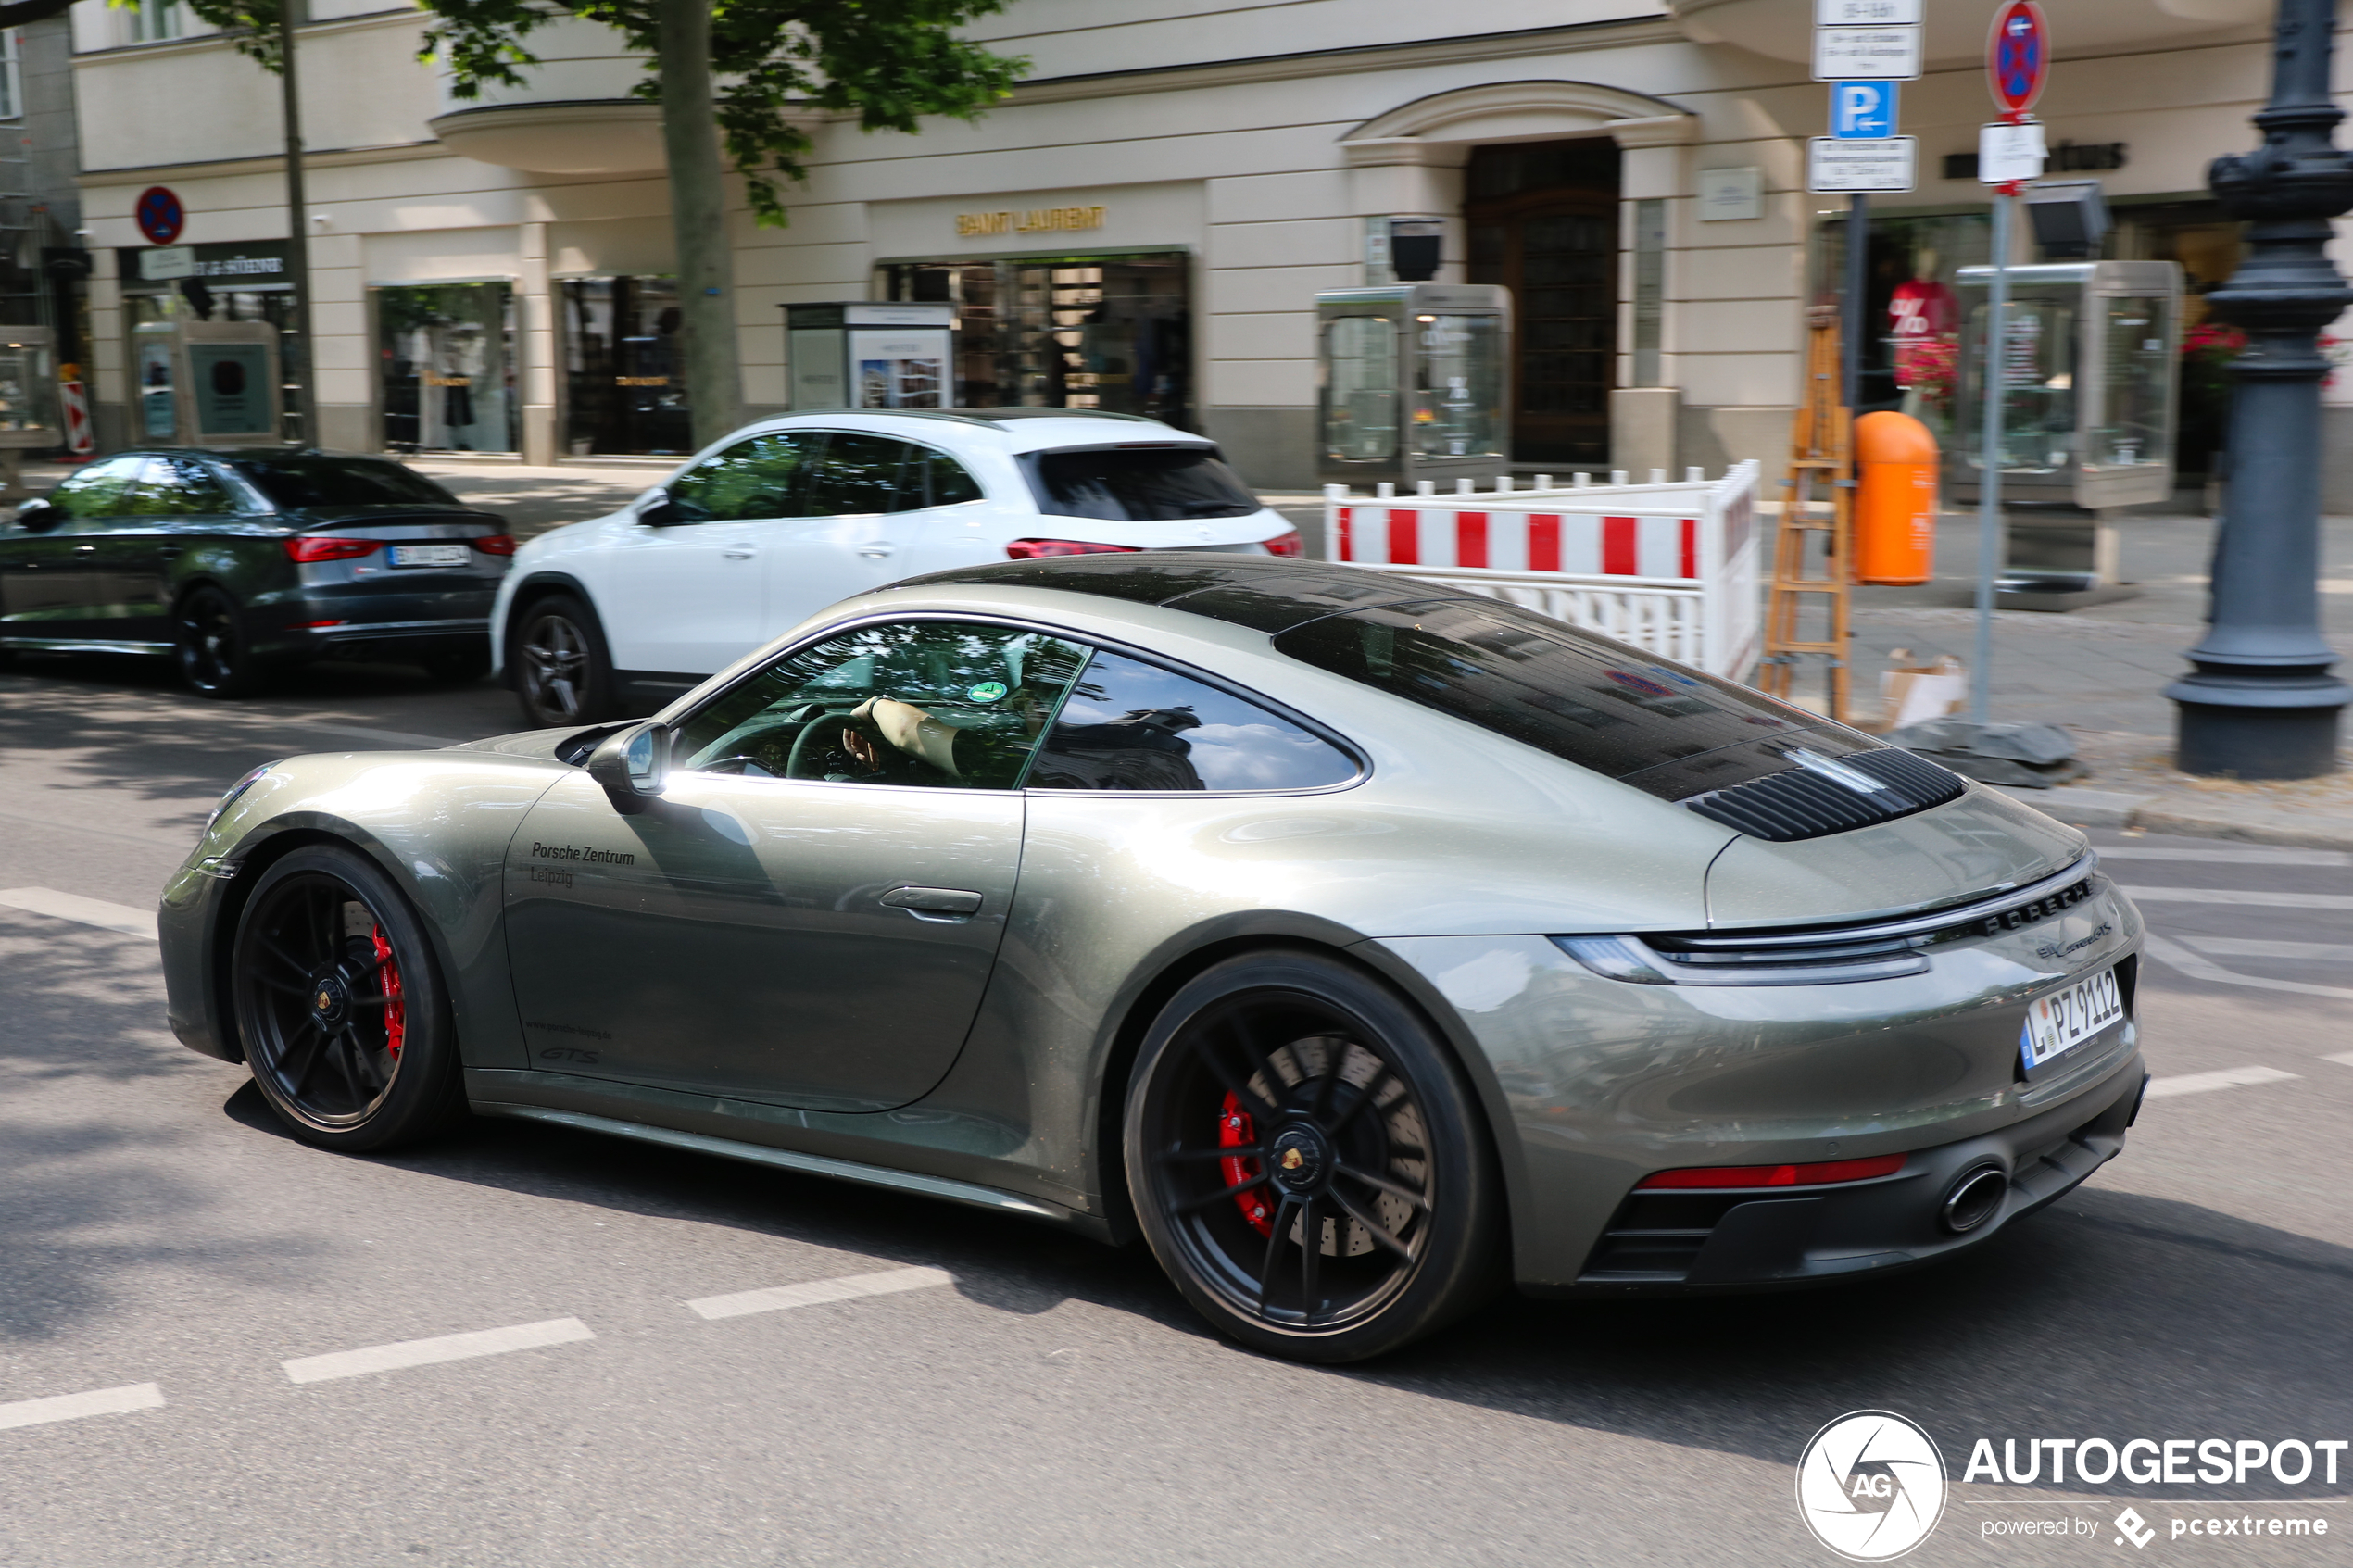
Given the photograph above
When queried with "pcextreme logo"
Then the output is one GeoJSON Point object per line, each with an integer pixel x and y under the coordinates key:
{"type": "Point", "coordinates": [1871, 1486]}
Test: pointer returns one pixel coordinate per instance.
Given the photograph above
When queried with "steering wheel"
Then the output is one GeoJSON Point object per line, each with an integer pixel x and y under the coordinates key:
{"type": "Point", "coordinates": [796, 763]}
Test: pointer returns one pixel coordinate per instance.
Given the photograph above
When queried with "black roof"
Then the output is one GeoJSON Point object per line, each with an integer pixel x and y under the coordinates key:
{"type": "Point", "coordinates": [1268, 593]}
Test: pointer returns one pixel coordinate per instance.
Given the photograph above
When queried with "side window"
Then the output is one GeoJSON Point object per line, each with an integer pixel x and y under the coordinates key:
{"type": "Point", "coordinates": [181, 487]}
{"type": "Point", "coordinates": [943, 479]}
{"type": "Point", "coordinates": [857, 474]}
{"type": "Point", "coordinates": [104, 489]}
{"type": "Point", "coordinates": [1135, 726]}
{"type": "Point", "coordinates": [935, 703]}
{"type": "Point", "coordinates": [759, 478]}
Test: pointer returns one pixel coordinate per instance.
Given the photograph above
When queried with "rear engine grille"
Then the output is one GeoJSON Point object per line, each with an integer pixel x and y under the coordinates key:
{"type": "Point", "coordinates": [1803, 803]}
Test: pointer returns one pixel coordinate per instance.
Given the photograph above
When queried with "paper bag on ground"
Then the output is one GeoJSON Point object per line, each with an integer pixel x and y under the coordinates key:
{"type": "Point", "coordinates": [1912, 693]}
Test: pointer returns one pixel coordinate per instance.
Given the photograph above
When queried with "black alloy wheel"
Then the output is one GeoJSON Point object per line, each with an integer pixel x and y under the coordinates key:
{"type": "Point", "coordinates": [216, 656]}
{"type": "Point", "coordinates": [562, 674]}
{"type": "Point", "coordinates": [340, 1006]}
{"type": "Point", "coordinates": [1307, 1163]}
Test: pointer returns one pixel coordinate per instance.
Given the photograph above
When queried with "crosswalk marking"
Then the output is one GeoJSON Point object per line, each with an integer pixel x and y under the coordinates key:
{"type": "Point", "coordinates": [447, 1348]}
{"type": "Point", "coordinates": [86, 912]}
{"type": "Point", "coordinates": [2240, 895]}
{"type": "Point", "coordinates": [846, 1288]}
{"type": "Point", "coordinates": [69, 1406]}
{"type": "Point", "coordinates": [2345, 1057]}
{"type": "Point", "coordinates": [2258, 947]}
{"type": "Point", "coordinates": [2225, 857]}
{"type": "Point", "coordinates": [2174, 956]}
{"type": "Point", "coordinates": [2226, 1078]}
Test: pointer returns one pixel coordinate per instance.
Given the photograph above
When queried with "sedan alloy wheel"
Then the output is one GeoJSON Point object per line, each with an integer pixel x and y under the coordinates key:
{"type": "Point", "coordinates": [215, 655]}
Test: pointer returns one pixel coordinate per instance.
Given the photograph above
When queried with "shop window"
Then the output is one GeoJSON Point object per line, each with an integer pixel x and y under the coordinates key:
{"type": "Point", "coordinates": [1912, 313]}
{"type": "Point", "coordinates": [446, 357]}
{"type": "Point", "coordinates": [1108, 333]}
{"type": "Point", "coordinates": [624, 367]}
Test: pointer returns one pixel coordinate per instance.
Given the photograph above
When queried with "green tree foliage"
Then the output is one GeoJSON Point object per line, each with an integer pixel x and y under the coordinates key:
{"type": "Point", "coordinates": [889, 62]}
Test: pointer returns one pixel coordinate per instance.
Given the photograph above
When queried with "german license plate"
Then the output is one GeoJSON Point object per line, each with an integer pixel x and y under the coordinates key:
{"type": "Point", "coordinates": [431, 554]}
{"type": "Point", "coordinates": [2065, 1019]}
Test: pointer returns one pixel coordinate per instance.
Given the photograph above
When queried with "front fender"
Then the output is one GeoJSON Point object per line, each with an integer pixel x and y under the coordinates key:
{"type": "Point", "coordinates": [438, 823]}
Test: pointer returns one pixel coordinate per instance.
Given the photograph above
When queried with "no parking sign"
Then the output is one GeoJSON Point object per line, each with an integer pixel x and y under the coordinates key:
{"type": "Point", "coordinates": [2017, 56]}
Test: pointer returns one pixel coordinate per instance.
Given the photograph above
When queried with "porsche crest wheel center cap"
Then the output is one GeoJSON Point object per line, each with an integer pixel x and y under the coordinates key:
{"type": "Point", "coordinates": [1300, 1160]}
{"type": "Point", "coordinates": [330, 999]}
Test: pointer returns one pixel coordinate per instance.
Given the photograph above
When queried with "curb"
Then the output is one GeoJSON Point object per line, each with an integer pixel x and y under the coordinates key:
{"type": "Point", "coordinates": [2158, 813]}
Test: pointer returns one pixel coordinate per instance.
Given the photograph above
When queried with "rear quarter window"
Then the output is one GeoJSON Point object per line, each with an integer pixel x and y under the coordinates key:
{"type": "Point", "coordinates": [1130, 725]}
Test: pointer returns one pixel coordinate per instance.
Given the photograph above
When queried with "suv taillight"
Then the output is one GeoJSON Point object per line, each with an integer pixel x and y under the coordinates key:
{"type": "Point", "coordinates": [326, 547]}
{"type": "Point", "coordinates": [495, 544]}
{"type": "Point", "coordinates": [1287, 545]}
{"type": "Point", "coordinates": [1034, 549]}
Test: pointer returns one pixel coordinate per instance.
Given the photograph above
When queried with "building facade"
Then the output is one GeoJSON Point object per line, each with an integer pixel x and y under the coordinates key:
{"type": "Point", "coordinates": [1145, 224]}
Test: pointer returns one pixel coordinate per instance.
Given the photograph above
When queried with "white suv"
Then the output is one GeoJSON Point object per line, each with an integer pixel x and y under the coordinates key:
{"type": "Point", "coordinates": [784, 517]}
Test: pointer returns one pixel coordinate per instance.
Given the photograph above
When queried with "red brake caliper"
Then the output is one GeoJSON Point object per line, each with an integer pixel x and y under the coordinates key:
{"type": "Point", "coordinates": [1234, 1131]}
{"type": "Point", "coordinates": [388, 980]}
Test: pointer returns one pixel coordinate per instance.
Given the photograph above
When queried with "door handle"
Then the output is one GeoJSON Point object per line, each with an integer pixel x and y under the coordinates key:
{"type": "Point", "coordinates": [737, 553]}
{"type": "Point", "coordinates": [877, 551]}
{"type": "Point", "coordinates": [933, 903]}
{"type": "Point", "coordinates": [85, 549]}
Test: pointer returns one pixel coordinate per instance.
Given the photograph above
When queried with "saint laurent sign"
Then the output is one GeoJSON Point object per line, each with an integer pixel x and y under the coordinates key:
{"type": "Point", "coordinates": [1035, 220]}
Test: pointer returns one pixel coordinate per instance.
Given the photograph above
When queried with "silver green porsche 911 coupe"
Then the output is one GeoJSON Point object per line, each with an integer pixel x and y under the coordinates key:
{"type": "Point", "coordinates": [1362, 945]}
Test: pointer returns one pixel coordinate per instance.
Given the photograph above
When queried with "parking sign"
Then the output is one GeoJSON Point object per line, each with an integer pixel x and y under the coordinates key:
{"type": "Point", "coordinates": [1863, 111]}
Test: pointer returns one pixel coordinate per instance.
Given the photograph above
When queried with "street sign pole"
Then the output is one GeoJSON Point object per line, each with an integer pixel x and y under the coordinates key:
{"type": "Point", "coordinates": [1989, 486]}
{"type": "Point", "coordinates": [1850, 348]}
{"type": "Point", "coordinates": [2009, 152]}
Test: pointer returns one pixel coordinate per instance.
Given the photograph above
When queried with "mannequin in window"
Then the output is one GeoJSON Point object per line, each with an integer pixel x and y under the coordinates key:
{"type": "Point", "coordinates": [1923, 317]}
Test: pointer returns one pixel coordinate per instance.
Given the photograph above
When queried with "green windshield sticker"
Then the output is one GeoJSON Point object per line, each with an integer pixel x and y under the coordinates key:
{"type": "Point", "coordinates": [988, 691]}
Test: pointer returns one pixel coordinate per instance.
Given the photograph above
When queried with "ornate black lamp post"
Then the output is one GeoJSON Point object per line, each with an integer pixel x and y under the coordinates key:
{"type": "Point", "coordinates": [2262, 702]}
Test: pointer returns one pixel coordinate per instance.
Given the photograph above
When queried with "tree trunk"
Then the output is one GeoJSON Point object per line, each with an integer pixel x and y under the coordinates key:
{"type": "Point", "coordinates": [698, 219]}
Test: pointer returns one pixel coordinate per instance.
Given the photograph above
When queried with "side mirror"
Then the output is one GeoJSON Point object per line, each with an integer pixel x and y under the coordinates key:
{"type": "Point", "coordinates": [633, 765]}
{"type": "Point", "coordinates": [37, 516]}
{"type": "Point", "coordinates": [665, 513]}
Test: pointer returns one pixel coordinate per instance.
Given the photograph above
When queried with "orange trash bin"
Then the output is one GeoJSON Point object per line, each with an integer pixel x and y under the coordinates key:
{"type": "Point", "coordinates": [1895, 502]}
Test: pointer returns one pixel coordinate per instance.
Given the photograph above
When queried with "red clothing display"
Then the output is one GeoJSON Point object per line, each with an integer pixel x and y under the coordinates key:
{"type": "Point", "coordinates": [1919, 313]}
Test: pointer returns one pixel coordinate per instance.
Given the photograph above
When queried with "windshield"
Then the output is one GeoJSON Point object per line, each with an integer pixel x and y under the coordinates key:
{"type": "Point", "coordinates": [1594, 702]}
{"type": "Point", "coordinates": [341, 482]}
{"type": "Point", "coordinates": [1128, 484]}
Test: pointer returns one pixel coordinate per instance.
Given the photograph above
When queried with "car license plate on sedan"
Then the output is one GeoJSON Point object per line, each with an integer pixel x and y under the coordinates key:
{"type": "Point", "coordinates": [431, 554]}
{"type": "Point", "coordinates": [2065, 1019]}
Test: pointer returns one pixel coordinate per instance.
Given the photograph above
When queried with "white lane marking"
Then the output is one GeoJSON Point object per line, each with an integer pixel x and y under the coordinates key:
{"type": "Point", "coordinates": [2227, 1078]}
{"type": "Point", "coordinates": [2240, 895]}
{"type": "Point", "coordinates": [88, 911]}
{"type": "Point", "coordinates": [2256, 947]}
{"type": "Point", "coordinates": [2174, 956]}
{"type": "Point", "coordinates": [447, 1347]}
{"type": "Point", "coordinates": [69, 1406]}
{"type": "Point", "coordinates": [2226, 856]}
{"type": "Point", "coordinates": [846, 1288]}
{"type": "Point", "coordinates": [2345, 1057]}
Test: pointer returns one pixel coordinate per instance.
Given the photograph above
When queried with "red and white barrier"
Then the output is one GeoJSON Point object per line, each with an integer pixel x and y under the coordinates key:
{"type": "Point", "coordinates": [1670, 568]}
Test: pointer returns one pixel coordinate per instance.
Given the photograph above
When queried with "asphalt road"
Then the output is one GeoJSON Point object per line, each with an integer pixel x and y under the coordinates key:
{"type": "Point", "coordinates": [165, 1252]}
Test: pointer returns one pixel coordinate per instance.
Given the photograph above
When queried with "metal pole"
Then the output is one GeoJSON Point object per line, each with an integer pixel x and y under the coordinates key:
{"type": "Point", "coordinates": [1989, 479]}
{"type": "Point", "coordinates": [1858, 249]}
{"type": "Point", "coordinates": [2262, 702]}
{"type": "Point", "coordinates": [297, 231]}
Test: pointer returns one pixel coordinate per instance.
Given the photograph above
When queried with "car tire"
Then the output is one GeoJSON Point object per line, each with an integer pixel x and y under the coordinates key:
{"type": "Point", "coordinates": [1364, 1139]}
{"type": "Point", "coordinates": [563, 673]}
{"type": "Point", "coordinates": [213, 649]}
{"type": "Point", "coordinates": [456, 668]}
{"type": "Point", "coordinates": [340, 1006]}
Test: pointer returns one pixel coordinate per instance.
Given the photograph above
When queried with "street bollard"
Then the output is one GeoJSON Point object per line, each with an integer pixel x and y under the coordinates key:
{"type": "Point", "coordinates": [1895, 508]}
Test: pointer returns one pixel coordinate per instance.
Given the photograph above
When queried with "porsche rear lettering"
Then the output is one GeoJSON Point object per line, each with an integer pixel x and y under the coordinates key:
{"type": "Point", "coordinates": [2040, 910]}
{"type": "Point", "coordinates": [587, 855]}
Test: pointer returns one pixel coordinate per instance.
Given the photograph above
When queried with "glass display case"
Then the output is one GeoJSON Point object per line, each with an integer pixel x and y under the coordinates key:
{"type": "Point", "coordinates": [1411, 382]}
{"type": "Point", "coordinates": [28, 388]}
{"type": "Point", "coordinates": [2089, 382]}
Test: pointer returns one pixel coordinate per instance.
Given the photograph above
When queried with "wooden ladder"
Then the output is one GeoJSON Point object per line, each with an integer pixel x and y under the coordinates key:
{"type": "Point", "coordinates": [1813, 549]}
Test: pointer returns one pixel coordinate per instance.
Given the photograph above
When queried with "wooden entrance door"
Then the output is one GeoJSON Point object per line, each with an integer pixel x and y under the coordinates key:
{"type": "Point", "coordinates": [1544, 222]}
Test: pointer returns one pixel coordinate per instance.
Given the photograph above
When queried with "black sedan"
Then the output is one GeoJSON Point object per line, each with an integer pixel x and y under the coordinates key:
{"type": "Point", "coordinates": [237, 562]}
